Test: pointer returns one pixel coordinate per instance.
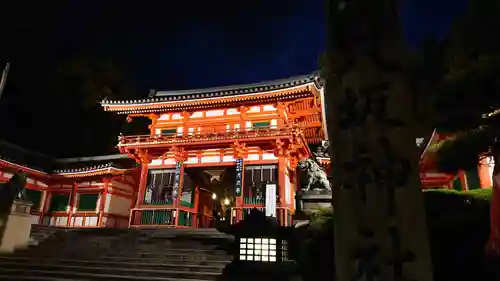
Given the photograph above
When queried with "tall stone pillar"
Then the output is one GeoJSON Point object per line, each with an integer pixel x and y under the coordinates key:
{"type": "Point", "coordinates": [380, 226]}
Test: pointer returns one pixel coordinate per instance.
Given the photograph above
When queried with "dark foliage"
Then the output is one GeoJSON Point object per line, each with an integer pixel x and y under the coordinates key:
{"type": "Point", "coordinates": [465, 149]}
{"type": "Point", "coordinates": [458, 231]}
{"type": "Point", "coordinates": [469, 91]}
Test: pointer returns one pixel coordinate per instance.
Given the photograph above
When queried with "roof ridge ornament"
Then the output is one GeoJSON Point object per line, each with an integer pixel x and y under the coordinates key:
{"type": "Point", "coordinates": [152, 93]}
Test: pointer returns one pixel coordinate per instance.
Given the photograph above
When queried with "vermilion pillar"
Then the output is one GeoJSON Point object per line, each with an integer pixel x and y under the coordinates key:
{"type": "Point", "coordinates": [196, 204]}
{"type": "Point", "coordinates": [72, 202]}
{"type": "Point", "coordinates": [44, 205]}
{"type": "Point", "coordinates": [281, 181]}
{"type": "Point", "coordinates": [135, 217]}
{"type": "Point", "coordinates": [142, 184]}
{"type": "Point", "coordinates": [463, 180]}
{"type": "Point", "coordinates": [152, 127]}
{"type": "Point", "coordinates": [179, 170]}
{"type": "Point", "coordinates": [485, 172]}
{"type": "Point", "coordinates": [104, 198]}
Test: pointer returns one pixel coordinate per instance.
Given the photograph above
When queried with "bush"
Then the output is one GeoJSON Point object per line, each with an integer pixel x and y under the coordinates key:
{"type": "Point", "coordinates": [321, 218]}
{"type": "Point", "coordinates": [314, 246]}
{"type": "Point", "coordinates": [458, 230]}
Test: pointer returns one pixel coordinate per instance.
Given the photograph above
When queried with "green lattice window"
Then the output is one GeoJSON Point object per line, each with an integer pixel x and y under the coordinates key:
{"type": "Point", "coordinates": [261, 124]}
{"type": "Point", "coordinates": [87, 201]}
{"type": "Point", "coordinates": [59, 202]}
{"type": "Point", "coordinates": [157, 217]}
{"type": "Point", "coordinates": [185, 218]}
{"type": "Point", "coordinates": [35, 196]}
{"type": "Point", "coordinates": [169, 132]}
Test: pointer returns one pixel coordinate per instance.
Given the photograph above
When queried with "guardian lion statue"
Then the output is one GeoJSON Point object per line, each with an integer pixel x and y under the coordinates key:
{"type": "Point", "coordinates": [315, 174]}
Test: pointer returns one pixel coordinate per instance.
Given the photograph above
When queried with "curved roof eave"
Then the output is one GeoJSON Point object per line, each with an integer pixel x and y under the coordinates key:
{"type": "Point", "coordinates": [220, 92]}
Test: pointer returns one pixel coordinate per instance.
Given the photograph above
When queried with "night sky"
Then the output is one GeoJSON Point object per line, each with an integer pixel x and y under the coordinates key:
{"type": "Point", "coordinates": [164, 45]}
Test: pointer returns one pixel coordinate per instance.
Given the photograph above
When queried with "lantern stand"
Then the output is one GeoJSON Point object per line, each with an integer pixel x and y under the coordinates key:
{"type": "Point", "coordinates": [260, 250]}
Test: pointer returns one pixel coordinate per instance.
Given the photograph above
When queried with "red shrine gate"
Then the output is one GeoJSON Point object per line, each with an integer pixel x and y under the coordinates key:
{"type": "Point", "coordinates": [251, 136]}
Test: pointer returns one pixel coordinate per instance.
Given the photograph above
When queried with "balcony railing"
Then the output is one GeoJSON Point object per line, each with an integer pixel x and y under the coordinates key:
{"type": "Point", "coordinates": [254, 132]}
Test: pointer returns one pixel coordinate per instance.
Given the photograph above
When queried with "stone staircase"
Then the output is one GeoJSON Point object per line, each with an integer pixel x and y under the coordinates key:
{"type": "Point", "coordinates": [127, 254]}
{"type": "Point", "coordinates": [40, 233]}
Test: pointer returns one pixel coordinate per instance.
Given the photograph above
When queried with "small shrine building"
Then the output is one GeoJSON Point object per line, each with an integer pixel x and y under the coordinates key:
{"type": "Point", "coordinates": [74, 192]}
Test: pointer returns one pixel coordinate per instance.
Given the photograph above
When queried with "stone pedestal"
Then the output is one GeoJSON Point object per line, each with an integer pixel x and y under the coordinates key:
{"type": "Point", "coordinates": [17, 231]}
{"type": "Point", "coordinates": [310, 201]}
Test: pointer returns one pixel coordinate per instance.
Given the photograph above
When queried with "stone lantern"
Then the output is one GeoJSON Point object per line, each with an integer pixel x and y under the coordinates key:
{"type": "Point", "coordinates": [260, 250]}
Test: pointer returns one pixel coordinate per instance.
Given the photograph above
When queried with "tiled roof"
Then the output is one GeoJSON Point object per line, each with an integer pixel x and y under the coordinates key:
{"type": "Point", "coordinates": [84, 166]}
{"type": "Point", "coordinates": [33, 160]}
{"type": "Point", "coordinates": [227, 91]}
{"type": "Point", "coordinates": [26, 158]}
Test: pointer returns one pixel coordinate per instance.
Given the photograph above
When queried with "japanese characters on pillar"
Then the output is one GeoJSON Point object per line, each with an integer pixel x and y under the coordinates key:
{"type": "Point", "coordinates": [177, 180]}
{"type": "Point", "coordinates": [240, 152]}
{"type": "Point", "coordinates": [180, 155]}
{"type": "Point", "coordinates": [239, 177]}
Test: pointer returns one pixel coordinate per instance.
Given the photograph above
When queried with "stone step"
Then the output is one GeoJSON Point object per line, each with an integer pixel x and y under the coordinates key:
{"type": "Point", "coordinates": [222, 260]}
{"type": "Point", "coordinates": [172, 250]}
{"type": "Point", "coordinates": [176, 250]}
{"type": "Point", "coordinates": [180, 232]}
{"type": "Point", "coordinates": [102, 273]}
{"type": "Point", "coordinates": [54, 276]}
{"type": "Point", "coordinates": [187, 255]}
{"type": "Point", "coordinates": [49, 263]}
{"type": "Point", "coordinates": [42, 232]}
{"type": "Point", "coordinates": [184, 239]}
{"type": "Point", "coordinates": [34, 278]}
{"type": "Point", "coordinates": [175, 256]}
{"type": "Point", "coordinates": [180, 244]}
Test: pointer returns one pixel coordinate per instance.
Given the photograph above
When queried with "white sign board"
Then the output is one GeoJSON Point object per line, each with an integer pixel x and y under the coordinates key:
{"type": "Point", "coordinates": [271, 200]}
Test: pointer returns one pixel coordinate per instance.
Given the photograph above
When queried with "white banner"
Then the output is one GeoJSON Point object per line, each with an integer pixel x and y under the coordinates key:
{"type": "Point", "coordinates": [271, 200]}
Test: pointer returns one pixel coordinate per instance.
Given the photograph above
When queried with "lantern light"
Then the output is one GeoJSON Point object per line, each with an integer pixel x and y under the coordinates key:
{"type": "Point", "coordinates": [227, 201]}
{"type": "Point", "coordinates": [214, 196]}
{"type": "Point", "coordinates": [259, 249]}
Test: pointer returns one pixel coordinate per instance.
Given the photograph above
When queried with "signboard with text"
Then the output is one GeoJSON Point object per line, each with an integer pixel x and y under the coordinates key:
{"type": "Point", "coordinates": [239, 177]}
{"type": "Point", "coordinates": [271, 200]}
{"type": "Point", "coordinates": [177, 180]}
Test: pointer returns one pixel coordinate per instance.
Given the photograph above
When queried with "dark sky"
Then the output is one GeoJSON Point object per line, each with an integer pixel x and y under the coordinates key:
{"type": "Point", "coordinates": [174, 45]}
